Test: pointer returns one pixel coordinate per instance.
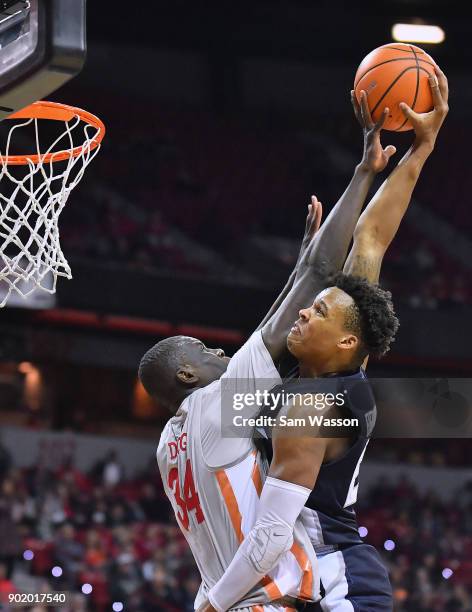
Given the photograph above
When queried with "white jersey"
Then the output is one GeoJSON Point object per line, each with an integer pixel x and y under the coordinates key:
{"type": "Point", "coordinates": [214, 483]}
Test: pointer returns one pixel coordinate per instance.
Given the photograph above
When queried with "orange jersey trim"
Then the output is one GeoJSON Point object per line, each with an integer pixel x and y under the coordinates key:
{"type": "Point", "coordinates": [231, 503]}
{"type": "Point", "coordinates": [271, 588]}
{"type": "Point", "coordinates": [257, 478]}
{"type": "Point", "coordinates": [306, 587]}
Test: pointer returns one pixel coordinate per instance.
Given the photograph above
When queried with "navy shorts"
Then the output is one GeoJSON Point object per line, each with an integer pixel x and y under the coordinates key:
{"type": "Point", "coordinates": [353, 579]}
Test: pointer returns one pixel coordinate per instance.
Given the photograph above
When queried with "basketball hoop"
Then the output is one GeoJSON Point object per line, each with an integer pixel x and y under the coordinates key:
{"type": "Point", "coordinates": [34, 189]}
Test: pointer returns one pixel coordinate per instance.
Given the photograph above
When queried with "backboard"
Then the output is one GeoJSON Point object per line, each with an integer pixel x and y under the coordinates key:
{"type": "Point", "coordinates": [42, 46]}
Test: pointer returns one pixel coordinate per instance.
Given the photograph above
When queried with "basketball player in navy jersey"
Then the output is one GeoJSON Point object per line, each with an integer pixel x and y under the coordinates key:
{"type": "Point", "coordinates": [316, 471]}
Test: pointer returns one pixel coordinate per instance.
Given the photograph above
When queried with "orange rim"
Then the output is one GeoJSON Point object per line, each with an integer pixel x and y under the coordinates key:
{"type": "Point", "coordinates": [54, 111]}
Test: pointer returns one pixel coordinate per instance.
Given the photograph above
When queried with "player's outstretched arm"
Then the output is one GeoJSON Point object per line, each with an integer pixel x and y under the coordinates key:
{"type": "Point", "coordinates": [328, 248]}
{"type": "Point", "coordinates": [381, 219]}
{"type": "Point", "coordinates": [312, 225]}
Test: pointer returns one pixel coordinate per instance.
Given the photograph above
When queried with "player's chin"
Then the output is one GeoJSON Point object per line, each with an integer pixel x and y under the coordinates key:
{"type": "Point", "coordinates": [294, 344]}
{"type": "Point", "coordinates": [221, 368]}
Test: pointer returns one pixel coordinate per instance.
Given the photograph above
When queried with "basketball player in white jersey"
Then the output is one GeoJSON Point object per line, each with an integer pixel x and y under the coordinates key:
{"type": "Point", "coordinates": [332, 340]}
{"type": "Point", "coordinates": [214, 483]}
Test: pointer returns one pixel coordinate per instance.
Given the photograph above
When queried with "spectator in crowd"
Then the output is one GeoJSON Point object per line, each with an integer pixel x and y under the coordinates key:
{"type": "Point", "coordinates": [112, 470]}
{"type": "Point", "coordinates": [69, 553]}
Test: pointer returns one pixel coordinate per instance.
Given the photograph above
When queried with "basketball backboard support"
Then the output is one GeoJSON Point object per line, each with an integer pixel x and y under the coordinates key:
{"type": "Point", "coordinates": [42, 46]}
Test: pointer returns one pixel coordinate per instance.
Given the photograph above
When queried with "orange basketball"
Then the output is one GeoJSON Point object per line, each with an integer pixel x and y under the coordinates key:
{"type": "Point", "coordinates": [392, 74]}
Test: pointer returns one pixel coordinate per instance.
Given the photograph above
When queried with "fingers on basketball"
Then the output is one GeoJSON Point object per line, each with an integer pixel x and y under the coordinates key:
{"type": "Point", "coordinates": [366, 116]}
{"type": "Point", "coordinates": [355, 105]}
{"type": "Point", "coordinates": [383, 117]}
{"type": "Point", "coordinates": [408, 111]}
{"type": "Point", "coordinates": [435, 92]}
{"type": "Point", "coordinates": [443, 85]}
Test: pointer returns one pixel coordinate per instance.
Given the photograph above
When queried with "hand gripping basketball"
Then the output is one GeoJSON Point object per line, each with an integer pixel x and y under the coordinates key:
{"type": "Point", "coordinates": [394, 73]}
{"type": "Point", "coordinates": [427, 125]}
{"type": "Point", "coordinates": [375, 158]}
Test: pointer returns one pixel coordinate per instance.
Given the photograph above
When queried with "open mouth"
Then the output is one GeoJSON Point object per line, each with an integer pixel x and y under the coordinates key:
{"type": "Point", "coordinates": [295, 330]}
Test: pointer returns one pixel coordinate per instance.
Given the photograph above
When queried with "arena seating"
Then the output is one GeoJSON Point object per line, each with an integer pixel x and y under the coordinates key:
{"type": "Point", "coordinates": [120, 537]}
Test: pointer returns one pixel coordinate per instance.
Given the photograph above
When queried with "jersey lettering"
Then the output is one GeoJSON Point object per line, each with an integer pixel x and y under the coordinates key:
{"type": "Point", "coordinates": [354, 486]}
{"type": "Point", "coordinates": [176, 447]}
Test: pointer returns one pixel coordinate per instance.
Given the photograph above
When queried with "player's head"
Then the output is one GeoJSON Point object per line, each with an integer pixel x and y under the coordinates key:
{"type": "Point", "coordinates": [346, 322]}
{"type": "Point", "coordinates": [176, 366]}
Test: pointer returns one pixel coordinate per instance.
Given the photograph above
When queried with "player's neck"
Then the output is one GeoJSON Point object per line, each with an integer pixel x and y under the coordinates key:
{"type": "Point", "coordinates": [178, 399]}
{"type": "Point", "coordinates": [312, 370]}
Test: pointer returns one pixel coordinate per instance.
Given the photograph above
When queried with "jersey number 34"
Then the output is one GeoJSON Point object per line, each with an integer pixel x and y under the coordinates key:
{"type": "Point", "coordinates": [189, 501]}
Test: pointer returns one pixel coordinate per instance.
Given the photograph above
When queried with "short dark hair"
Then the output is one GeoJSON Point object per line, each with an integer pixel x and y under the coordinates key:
{"type": "Point", "coordinates": [158, 366]}
{"type": "Point", "coordinates": [372, 315]}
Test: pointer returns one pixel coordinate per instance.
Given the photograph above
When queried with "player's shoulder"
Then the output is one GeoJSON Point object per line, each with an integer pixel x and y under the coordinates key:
{"type": "Point", "coordinates": [252, 358]}
{"type": "Point", "coordinates": [163, 438]}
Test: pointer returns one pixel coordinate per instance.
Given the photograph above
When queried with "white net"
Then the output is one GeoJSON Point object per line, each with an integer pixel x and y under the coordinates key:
{"type": "Point", "coordinates": [32, 197]}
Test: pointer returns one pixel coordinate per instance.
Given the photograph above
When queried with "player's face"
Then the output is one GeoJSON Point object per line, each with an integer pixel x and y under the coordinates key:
{"type": "Point", "coordinates": [208, 364]}
{"type": "Point", "coordinates": [320, 329]}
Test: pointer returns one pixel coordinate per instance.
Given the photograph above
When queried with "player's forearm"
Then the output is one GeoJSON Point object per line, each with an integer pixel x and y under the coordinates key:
{"type": "Point", "coordinates": [328, 249]}
{"type": "Point", "coordinates": [280, 298]}
{"type": "Point", "coordinates": [381, 219]}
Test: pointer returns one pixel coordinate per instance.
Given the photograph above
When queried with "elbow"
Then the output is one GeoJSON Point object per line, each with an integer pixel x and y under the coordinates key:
{"type": "Point", "coordinates": [266, 544]}
{"type": "Point", "coordinates": [369, 239]}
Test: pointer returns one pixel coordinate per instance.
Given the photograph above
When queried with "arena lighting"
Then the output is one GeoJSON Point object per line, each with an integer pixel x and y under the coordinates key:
{"type": "Point", "coordinates": [447, 573]}
{"type": "Point", "coordinates": [389, 545]}
{"type": "Point", "coordinates": [28, 555]}
{"type": "Point", "coordinates": [56, 571]}
{"type": "Point", "coordinates": [87, 588]}
{"type": "Point", "coordinates": [415, 32]}
{"type": "Point", "coordinates": [363, 531]}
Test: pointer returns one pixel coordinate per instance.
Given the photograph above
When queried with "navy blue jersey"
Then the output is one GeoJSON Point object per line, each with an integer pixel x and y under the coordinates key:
{"type": "Point", "coordinates": [333, 519]}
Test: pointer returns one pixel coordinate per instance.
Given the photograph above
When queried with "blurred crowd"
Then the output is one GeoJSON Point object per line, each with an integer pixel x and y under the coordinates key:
{"type": "Point", "coordinates": [430, 452]}
{"type": "Point", "coordinates": [104, 539]}
{"type": "Point", "coordinates": [111, 540]}
{"type": "Point", "coordinates": [427, 544]}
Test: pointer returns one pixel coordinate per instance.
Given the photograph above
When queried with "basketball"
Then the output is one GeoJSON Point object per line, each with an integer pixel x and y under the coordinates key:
{"type": "Point", "coordinates": [395, 73]}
